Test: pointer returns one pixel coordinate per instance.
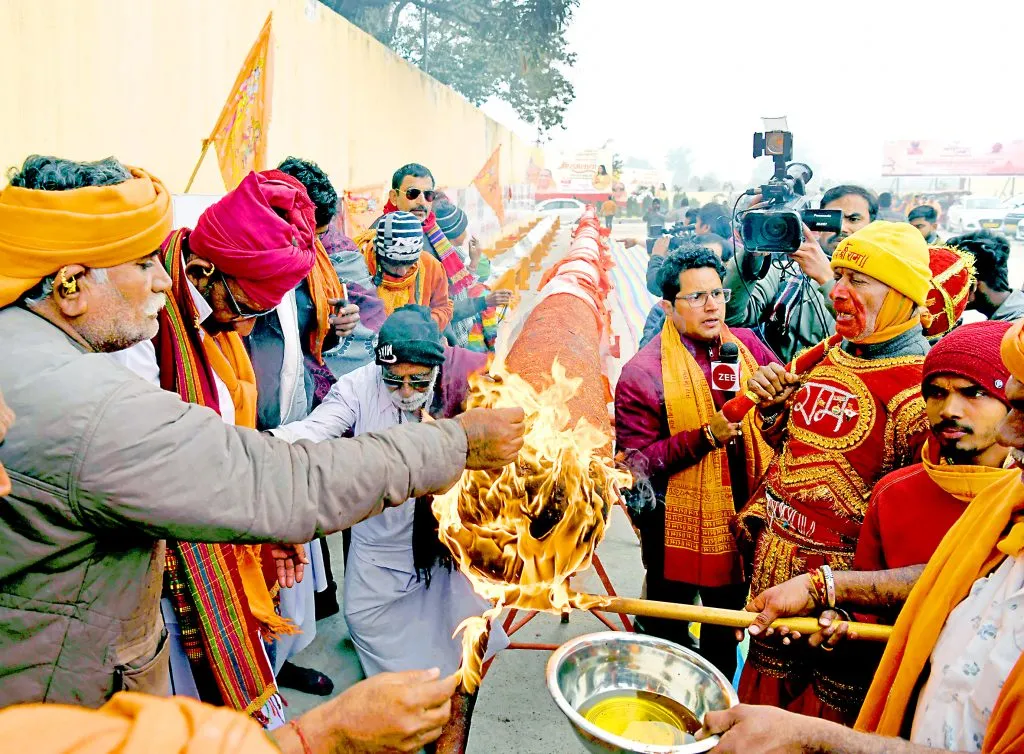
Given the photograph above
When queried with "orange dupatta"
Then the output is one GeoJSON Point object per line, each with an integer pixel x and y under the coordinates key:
{"type": "Point", "coordinates": [700, 547]}
{"type": "Point", "coordinates": [132, 724]}
{"type": "Point", "coordinates": [970, 550]}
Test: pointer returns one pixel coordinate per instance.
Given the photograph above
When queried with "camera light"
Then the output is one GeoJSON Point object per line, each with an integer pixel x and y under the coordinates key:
{"type": "Point", "coordinates": [775, 142]}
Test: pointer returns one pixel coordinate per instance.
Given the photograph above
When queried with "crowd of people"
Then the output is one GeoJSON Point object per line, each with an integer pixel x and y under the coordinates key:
{"type": "Point", "coordinates": [157, 536]}
{"type": "Point", "coordinates": [187, 412]}
{"type": "Point", "coordinates": [879, 479]}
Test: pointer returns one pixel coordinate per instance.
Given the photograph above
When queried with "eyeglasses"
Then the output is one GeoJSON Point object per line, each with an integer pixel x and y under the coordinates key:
{"type": "Point", "coordinates": [414, 193]}
{"type": "Point", "coordinates": [240, 312]}
{"type": "Point", "coordinates": [700, 298]}
{"type": "Point", "coordinates": [418, 382]}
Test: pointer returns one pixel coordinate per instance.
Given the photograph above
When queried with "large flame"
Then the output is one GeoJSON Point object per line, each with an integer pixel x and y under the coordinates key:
{"type": "Point", "coordinates": [518, 534]}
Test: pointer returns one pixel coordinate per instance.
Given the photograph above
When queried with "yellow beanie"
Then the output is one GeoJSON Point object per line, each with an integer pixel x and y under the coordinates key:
{"type": "Point", "coordinates": [893, 253]}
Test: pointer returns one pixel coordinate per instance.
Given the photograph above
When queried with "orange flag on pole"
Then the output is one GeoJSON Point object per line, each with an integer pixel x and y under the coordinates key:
{"type": "Point", "coordinates": [240, 135]}
{"type": "Point", "coordinates": [488, 184]}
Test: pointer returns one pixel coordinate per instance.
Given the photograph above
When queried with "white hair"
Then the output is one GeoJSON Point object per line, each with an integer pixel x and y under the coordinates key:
{"type": "Point", "coordinates": [44, 289]}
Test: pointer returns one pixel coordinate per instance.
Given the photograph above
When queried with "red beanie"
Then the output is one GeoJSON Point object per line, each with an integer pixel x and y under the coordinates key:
{"type": "Point", "coordinates": [972, 352]}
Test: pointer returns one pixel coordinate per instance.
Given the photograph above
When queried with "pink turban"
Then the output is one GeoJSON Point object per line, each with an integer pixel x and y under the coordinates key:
{"type": "Point", "coordinates": [267, 253]}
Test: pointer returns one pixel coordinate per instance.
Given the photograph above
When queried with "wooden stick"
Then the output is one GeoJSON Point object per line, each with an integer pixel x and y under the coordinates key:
{"type": "Point", "coordinates": [199, 162]}
{"type": "Point", "coordinates": [721, 617]}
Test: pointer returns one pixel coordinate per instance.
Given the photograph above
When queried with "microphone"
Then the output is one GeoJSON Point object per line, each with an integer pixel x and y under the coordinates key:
{"type": "Point", "coordinates": [725, 373]}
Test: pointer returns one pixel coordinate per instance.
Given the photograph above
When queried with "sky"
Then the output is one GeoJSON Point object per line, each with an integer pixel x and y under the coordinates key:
{"type": "Point", "coordinates": [652, 75]}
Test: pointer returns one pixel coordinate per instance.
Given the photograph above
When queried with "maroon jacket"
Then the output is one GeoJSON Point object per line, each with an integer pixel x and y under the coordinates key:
{"type": "Point", "coordinates": [641, 423]}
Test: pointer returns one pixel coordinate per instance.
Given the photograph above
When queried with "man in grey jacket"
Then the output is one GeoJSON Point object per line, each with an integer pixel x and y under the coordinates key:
{"type": "Point", "coordinates": [104, 466]}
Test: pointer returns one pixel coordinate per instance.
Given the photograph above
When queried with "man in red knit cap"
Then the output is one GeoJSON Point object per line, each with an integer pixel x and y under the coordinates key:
{"type": "Point", "coordinates": [964, 388]}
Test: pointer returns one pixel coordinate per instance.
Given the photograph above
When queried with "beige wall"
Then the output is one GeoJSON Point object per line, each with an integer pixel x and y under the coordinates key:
{"type": "Point", "coordinates": [145, 80]}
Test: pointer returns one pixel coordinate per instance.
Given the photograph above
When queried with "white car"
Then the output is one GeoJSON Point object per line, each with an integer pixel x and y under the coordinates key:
{"type": "Point", "coordinates": [977, 212]}
{"type": "Point", "coordinates": [569, 211]}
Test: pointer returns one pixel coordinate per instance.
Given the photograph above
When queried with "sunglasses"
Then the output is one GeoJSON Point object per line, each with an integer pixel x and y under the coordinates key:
{"type": "Point", "coordinates": [414, 193]}
{"type": "Point", "coordinates": [418, 382]}
{"type": "Point", "coordinates": [241, 311]}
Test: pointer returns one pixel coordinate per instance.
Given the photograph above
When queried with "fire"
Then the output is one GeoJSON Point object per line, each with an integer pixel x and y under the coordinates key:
{"type": "Point", "coordinates": [518, 534]}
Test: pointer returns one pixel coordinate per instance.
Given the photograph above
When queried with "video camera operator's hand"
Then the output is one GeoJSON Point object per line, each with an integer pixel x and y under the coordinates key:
{"type": "Point", "coordinates": [724, 430]}
{"type": "Point", "coordinates": [494, 436]}
{"type": "Point", "coordinates": [660, 248]}
{"type": "Point", "coordinates": [812, 259]}
{"type": "Point", "coordinates": [388, 713]}
{"type": "Point", "coordinates": [772, 384]}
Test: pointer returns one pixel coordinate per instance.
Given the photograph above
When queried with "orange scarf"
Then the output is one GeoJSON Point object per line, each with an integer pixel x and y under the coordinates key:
{"type": "Point", "coordinates": [700, 547]}
{"type": "Point", "coordinates": [962, 482]}
{"type": "Point", "coordinates": [324, 287]}
{"type": "Point", "coordinates": [897, 315]}
{"type": "Point", "coordinates": [132, 724]}
{"type": "Point", "coordinates": [973, 547]}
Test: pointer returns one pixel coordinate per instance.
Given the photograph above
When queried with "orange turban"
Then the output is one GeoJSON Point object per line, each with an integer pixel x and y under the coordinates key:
{"type": "Point", "coordinates": [132, 724]}
{"type": "Point", "coordinates": [1012, 350]}
{"type": "Point", "coordinates": [95, 226]}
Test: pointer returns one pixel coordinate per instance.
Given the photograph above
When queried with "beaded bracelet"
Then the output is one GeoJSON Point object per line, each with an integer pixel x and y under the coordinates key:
{"type": "Point", "coordinates": [830, 586]}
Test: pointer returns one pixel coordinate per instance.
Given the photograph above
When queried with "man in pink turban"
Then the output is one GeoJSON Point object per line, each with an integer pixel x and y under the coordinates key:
{"type": "Point", "coordinates": [246, 253]}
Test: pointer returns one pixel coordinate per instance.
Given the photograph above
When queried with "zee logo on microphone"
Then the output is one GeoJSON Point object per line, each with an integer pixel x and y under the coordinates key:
{"type": "Point", "coordinates": [725, 376]}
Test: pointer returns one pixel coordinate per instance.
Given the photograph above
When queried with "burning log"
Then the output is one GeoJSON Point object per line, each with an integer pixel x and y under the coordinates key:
{"type": "Point", "coordinates": [519, 534]}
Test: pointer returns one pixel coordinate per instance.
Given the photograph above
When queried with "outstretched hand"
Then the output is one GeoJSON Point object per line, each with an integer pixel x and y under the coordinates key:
{"type": "Point", "coordinates": [291, 563]}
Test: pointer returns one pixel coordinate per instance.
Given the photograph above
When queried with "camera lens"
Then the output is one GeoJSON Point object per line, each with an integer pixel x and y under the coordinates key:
{"type": "Point", "coordinates": [774, 228]}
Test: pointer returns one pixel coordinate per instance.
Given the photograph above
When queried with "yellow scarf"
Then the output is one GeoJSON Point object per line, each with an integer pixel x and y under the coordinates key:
{"type": "Point", "coordinates": [700, 547]}
{"type": "Point", "coordinates": [973, 547]}
{"type": "Point", "coordinates": [897, 315]}
{"type": "Point", "coordinates": [962, 482]}
{"type": "Point", "coordinates": [230, 361]}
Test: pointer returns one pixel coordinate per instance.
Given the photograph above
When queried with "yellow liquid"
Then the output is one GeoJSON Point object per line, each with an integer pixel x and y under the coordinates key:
{"type": "Point", "coordinates": [642, 716]}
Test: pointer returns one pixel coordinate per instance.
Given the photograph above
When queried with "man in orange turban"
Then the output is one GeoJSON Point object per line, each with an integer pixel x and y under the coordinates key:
{"type": "Point", "coordinates": [952, 676]}
{"type": "Point", "coordinates": [105, 467]}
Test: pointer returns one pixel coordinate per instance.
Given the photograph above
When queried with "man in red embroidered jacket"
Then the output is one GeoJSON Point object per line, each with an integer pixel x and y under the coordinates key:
{"type": "Point", "coordinates": [854, 417]}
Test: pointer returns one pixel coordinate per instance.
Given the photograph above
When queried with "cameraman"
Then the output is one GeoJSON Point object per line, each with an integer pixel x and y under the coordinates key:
{"type": "Point", "coordinates": [712, 218]}
{"type": "Point", "coordinates": [785, 299]}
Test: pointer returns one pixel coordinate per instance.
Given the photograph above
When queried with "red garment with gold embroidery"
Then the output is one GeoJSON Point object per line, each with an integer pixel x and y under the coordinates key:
{"type": "Point", "coordinates": [852, 421]}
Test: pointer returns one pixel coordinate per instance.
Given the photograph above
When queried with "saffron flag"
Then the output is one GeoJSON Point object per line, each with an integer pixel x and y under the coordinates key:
{"type": "Point", "coordinates": [488, 184]}
{"type": "Point", "coordinates": [240, 135]}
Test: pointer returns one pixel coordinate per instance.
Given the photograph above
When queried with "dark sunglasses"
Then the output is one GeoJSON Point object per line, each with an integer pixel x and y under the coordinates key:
{"type": "Point", "coordinates": [420, 383]}
{"type": "Point", "coordinates": [414, 193]}
{"type": "Point", "coordinates": [241, 311]}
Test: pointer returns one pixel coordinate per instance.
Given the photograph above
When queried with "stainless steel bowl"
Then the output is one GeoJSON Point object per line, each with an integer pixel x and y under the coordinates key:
{"type": "Point", "coordinates": [594, 664]}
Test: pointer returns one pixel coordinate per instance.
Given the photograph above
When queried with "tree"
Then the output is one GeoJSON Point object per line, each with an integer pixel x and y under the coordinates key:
{"type": "Point", "coordinates": [680, 162]}
{"type": "Point", "coordinates": [514, 50]}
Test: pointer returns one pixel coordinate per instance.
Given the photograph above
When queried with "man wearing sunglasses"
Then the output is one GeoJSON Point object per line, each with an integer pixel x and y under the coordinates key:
{"type": "Point", "coordinates": [696, 466]}
{"type": "Point", "coordinates": [403, 600]}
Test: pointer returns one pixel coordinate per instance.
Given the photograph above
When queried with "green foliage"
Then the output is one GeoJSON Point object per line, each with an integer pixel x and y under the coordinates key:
{"type": "Point", "coordinates": [514, 50]}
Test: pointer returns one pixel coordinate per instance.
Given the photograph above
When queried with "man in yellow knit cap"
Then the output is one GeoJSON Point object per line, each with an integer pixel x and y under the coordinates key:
{"type": "Point", "coordinates": [854, 417]}
{"type": "Point", "coordinates": [952, 676]}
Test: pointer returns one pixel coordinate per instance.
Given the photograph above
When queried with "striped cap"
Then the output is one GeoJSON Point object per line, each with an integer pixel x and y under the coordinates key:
{"type": "Point", "coordinates": [399, 237]}
{"type": "Point", "coordinates": [450, 219]}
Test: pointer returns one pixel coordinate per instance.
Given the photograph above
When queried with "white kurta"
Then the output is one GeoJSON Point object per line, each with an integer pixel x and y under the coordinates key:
{"type": "Point", "coordinates": [981, 642]}
{"type": "Point", "coordinates": [141, 359]}
{"type": "Point", "coordinates": [395, 621]}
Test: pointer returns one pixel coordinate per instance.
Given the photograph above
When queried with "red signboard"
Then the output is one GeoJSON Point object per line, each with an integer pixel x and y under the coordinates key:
{"type": "Point", "coordinates": [936, 158]}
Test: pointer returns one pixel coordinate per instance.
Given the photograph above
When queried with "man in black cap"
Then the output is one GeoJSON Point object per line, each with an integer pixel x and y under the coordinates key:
{"type": "Point", "coordinates": [403, 600]}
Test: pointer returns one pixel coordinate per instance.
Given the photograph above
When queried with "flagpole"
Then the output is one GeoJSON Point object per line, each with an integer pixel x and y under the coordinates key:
{"type": "Point", "coordinates": [199, 162]}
